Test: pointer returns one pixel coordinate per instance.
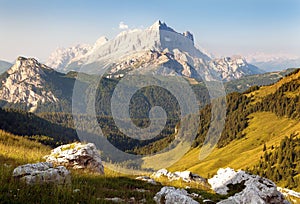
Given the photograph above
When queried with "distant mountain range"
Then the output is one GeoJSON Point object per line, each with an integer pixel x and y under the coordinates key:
{"type": "Point", "coordinates": [274, 62]}
{"type": "Point", "coordinates": [157, 49]}
{"type": "Point", "coordinates": [32, 86]}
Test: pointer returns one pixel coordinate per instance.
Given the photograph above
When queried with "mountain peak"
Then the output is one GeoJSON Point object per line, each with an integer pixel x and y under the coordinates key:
{"type": "Point", "coordinates": [160, 25]}
{"type": "Point", "coordinates": [101, 41]}
{"type": "Point", "coordinates": [28, 65]}
{"type": "Point", "coordinates": [25, 83]}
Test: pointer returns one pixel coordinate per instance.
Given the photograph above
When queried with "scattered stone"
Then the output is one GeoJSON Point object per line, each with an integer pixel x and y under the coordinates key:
{"type": "Point", "coordinates": [115, 200]}
{"type": "Point", "coordinates": [77, 156]}
{"type": "Point", "coordinates": [256, 189]}
{"type": "Point", "coordinates": [43, 172]}
{"type": "Point", "coordinates": [132, 200]}
{"type": "Point", "coordinates": [147, 179]}
{"type": "Point", "coordinates": [141, 190]}
{"type": "Point", "coordinates": [195, 195]}
{"type": "Point", "coordinates": [143, 201]}
{"type": "Point", "coordinates": [186, 176]}
{"type": "Point", "coordinates": [6, 165]}
{"type": "Point", "coordinates": [171, 195]}
{"type": "Point", "coordinates": [207, 201]}
{"type": "Point", "coordinates": [76, 190]}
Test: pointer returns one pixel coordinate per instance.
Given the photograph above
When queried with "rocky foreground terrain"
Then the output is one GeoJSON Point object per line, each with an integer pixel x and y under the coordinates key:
{"type": "Point", "coordinates": [242, 187]}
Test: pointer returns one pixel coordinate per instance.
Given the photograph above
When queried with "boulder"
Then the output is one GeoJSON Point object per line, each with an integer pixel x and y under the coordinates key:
{"type": "Point", "coordinates": [77, 156]}
{"type": "Point", "coordinates": [253, 188]}
{"type": "Point", "coordinates": [43, 172]}
{"type": "Point", "coordinates": [171, 195]}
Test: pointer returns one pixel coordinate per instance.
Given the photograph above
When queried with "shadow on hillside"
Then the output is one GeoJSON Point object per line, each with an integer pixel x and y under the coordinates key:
{"type": "Point", "coordinates": [28, 124]}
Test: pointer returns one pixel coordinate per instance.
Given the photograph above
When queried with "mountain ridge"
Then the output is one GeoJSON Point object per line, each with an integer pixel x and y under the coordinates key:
{"type": "Point", "coordinates": [29, 84]}
{"type": "Point", "coordinates": [163, 40]}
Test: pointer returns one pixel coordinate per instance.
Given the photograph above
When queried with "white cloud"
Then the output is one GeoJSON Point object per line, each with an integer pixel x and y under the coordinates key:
{"type": "Point", "coordinates": [123, 26]}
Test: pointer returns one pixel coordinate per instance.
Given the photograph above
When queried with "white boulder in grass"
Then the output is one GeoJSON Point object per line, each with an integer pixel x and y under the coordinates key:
{"type": "Point", "coordinates": [257, 189]}
{"type": "Point", "coordinates": [77, 156]}
{"type": "Point", "coordinates": [43, 172]}
{"type": "Point", "coordinates": [171, 195]}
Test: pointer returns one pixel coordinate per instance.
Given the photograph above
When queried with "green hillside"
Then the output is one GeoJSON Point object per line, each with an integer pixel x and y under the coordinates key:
{"type": "Point", "coordinates": [258, 118]}
{"type": "Point", "coordinates": [264, 128]}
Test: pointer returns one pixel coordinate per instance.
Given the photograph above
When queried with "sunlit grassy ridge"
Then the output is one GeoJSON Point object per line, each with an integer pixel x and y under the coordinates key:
{"type": "Point", "coordinates": [264, 128]}
{"type": "Point", "coordinates": [267, 90]}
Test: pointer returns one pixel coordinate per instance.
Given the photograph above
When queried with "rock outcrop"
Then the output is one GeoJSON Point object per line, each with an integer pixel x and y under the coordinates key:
{"type": "Point", "coordinates": [77, 156]}
{"type": "Point", "coordinates": [254, 189]}
{"type": "Point", "coordinates": [43, 172]}
{"type": "Point", "coordinates": [186, 176]}
{"type": "Point", "coordinates": [171, 195]}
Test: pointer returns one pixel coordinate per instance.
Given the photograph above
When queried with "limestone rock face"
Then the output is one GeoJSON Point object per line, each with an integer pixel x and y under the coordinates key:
{"type": "Point", "coordinates": [25, 83]}
{"type": "Point", "coordinates": [256, 190]}
{"type": "Point", "coordinates": [77, 156]}
{"type": "Point", "coordinates": [171, 195]}
{"type": "Point", "coordinates": [43, 172]}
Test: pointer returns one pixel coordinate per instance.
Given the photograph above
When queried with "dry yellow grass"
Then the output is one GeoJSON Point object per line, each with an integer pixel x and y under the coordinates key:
{"type": "Point", "coordinates": [19, 150]}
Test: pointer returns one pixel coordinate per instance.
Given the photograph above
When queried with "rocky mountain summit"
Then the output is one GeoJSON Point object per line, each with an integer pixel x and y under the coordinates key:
{"type": "Point", "coordinates": [25, 82]}
{"type": "Point", "coordinates": [29, 84]}
{"type": "Point", "coordinates": [156, 49]}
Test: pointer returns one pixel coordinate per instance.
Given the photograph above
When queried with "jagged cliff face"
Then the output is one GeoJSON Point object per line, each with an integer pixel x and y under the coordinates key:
{"type": "Point", "coordinates": [25, 83]}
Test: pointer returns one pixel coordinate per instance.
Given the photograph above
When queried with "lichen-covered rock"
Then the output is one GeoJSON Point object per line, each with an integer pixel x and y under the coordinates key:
{"type": "Point", "coordinates": [77, 156]}
{"type": "Point", "coordinates": [43, 172]}
{"type": "Point", "coordinates": [171, 195]}
{"type": "Point", "coordinates": [256, 189]}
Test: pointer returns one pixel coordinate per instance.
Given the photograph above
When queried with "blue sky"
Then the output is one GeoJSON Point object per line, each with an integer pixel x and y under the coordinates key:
{"type": "Point", "coordinates": [224, 27]}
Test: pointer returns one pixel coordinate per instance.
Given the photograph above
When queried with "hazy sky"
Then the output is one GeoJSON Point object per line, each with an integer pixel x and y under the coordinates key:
{"type": "Point", "coordinates": [37, 27]}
